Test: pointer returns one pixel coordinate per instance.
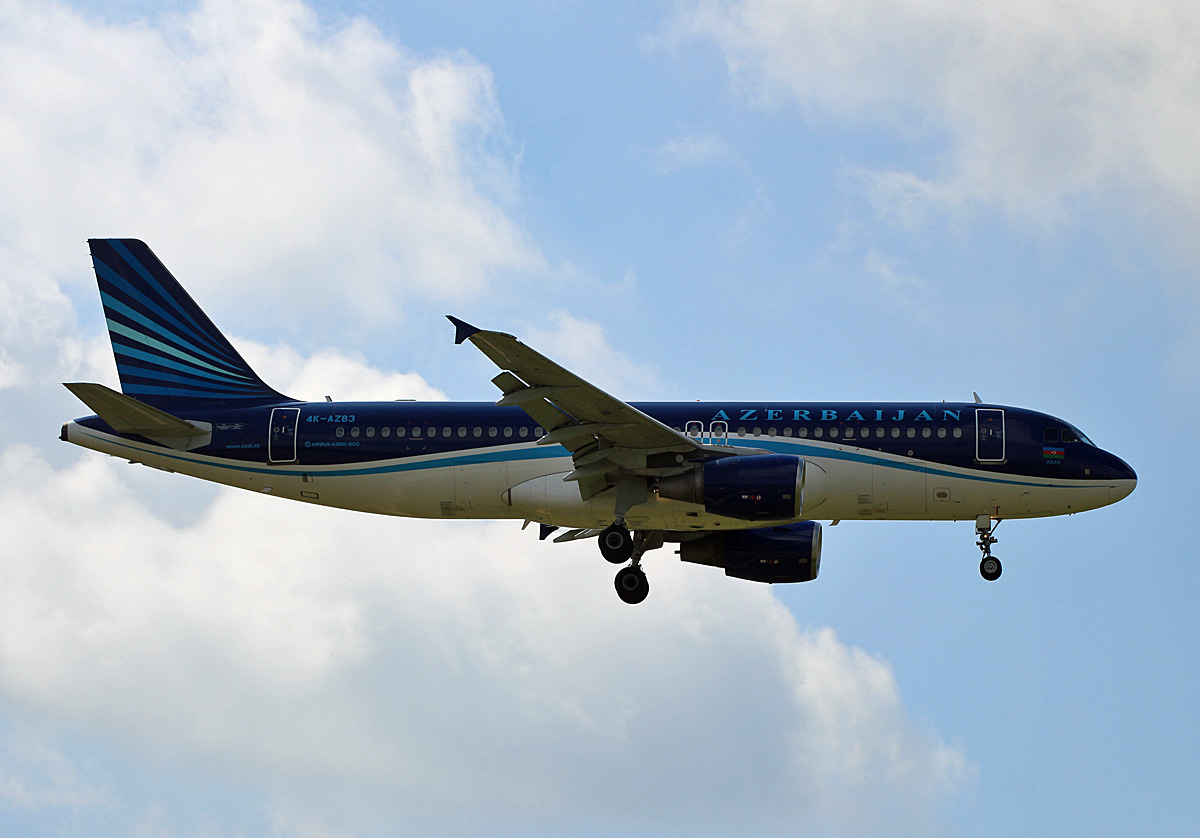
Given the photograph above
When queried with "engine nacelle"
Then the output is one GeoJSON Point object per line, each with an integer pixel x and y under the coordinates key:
{"type": "Point", "coordinates": [771, 554]}
{"type": "Point", "coordinates": [750, 487]}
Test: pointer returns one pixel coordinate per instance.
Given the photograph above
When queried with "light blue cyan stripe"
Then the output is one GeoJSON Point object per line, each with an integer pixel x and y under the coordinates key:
{"type": "Point", "coordinates": [159, 360]}
{"type": "Point", "coordinates": [195, 331]}
{"type": "Point", "coordinates": [125, 331]}
{"type": "Point", "coordinates": [167, 296]}
{"type": "Point", "coordinates": [157, 329]}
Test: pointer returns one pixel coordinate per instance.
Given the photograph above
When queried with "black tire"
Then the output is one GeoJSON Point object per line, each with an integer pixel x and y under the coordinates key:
{"type": "Point", "coordinates": [616, 544]}
{"type": "Point", "coordinates": [990, 568]}
{"type": "Point", "coordinates": [632, 586]}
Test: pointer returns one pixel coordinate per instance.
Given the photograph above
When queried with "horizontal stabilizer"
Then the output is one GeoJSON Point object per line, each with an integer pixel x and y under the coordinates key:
{"type": "Point", "coordinates": [126, 415]}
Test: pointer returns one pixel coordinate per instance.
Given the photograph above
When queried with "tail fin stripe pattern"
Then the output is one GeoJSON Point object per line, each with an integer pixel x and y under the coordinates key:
{"type": "Point", "coordinates": [176, 345]}
{"type": "Point", "coordinates": [165, 296]}
{"type": "Point", "coordinates": [146, 341]}
{"type": "Point", "coordinates": [137, 298]}
{"type": "Point", "coordinates": [168, 353]}
{"type": "Point", "coordinates": [146, 357]}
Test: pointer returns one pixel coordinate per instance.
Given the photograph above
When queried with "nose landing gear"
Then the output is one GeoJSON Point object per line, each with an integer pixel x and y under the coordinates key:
{"type": "Point", "coordinates": [989, 566]}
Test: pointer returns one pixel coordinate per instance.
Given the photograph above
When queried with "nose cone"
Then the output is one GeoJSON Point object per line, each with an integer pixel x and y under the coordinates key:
{"type": "Point", "coordinates": [1123, 477]}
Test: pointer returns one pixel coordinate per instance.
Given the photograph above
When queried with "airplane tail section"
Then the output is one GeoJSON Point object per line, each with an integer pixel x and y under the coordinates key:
{"type": "Point", "coordinates": [168, 353]}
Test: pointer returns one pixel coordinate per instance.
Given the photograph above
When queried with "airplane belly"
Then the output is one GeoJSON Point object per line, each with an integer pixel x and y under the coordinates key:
{"type": "Point", "coordinates": [479, 490]}
{"type": "Point", "coordinates": [899, 491]}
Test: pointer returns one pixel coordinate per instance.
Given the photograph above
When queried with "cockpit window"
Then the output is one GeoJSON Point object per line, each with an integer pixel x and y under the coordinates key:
{"type": "Point", "coordinates": [1077, 435]}
{"type": "Point", "coordinates": [1065, 434]}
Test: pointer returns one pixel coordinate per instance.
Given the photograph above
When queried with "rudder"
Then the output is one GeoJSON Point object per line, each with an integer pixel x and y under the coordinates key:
{"type": "Point", "coordinates": [168, 352]}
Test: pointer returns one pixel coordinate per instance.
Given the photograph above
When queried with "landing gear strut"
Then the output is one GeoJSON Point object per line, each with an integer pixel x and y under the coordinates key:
{"type": "Point", "coordinates": [989, 567]}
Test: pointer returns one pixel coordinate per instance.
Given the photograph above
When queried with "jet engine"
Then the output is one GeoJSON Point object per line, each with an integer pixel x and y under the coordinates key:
{"type": "Point", "coordinates": [750, 487]}
{"type": "Point", "coordinates": [771, 554]}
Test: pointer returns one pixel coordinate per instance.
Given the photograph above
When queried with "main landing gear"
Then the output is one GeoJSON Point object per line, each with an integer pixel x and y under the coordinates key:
{"type": "Point", "coordinates": [619, 545]}
{"type": "Point", "coordinates": [989, 566]}
{"type": "Point", "coordinates": [631, 583]}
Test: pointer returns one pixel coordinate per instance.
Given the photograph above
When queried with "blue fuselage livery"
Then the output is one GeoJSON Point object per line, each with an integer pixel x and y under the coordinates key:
{"type": "Point", "coordinates": [738, 485]}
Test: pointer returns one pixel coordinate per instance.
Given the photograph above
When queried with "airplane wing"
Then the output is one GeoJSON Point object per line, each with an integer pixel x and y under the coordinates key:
{"type": "Point", "coordinates": [606, 436]}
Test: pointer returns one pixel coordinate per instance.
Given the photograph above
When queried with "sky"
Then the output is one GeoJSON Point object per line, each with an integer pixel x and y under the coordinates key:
{"type": "Point", "coordinates": [888, 200]}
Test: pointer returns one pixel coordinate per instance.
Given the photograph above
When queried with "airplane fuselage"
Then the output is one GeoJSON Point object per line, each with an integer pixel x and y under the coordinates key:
{"type": "Point", "coordinates": [865, 461]}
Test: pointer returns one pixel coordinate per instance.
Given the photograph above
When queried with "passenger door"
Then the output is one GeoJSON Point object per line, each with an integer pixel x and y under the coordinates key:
{"type": "Point", "coordinates": [989, 435]}
{"type": "Point", "coordinates": [281, 443]}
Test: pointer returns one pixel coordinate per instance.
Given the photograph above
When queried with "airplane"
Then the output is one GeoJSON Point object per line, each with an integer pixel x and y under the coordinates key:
{"type": "Point", "coordinates": [740, 486]}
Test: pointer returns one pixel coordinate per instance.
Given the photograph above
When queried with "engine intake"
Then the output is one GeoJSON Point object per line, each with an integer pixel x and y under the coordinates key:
{"type": "Point", "coordinates": [771, 554]}
{"type": "Point", "coordinates": [751, 487]}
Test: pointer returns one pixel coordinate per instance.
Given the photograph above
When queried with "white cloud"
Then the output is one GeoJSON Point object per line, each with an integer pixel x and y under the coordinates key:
{"type": "Point", "coordinates": [692, 149]}
{"type": "Point", "coordinates": [582, 347]}
{"type": "Point", "coordinates": [297, 648]}
{"type": "Point", "coordinates": [1038, 101]}
{"type": "Point", "coordinates": [333, 373]}
{"type": "Point", "coordinates": [264, 150]}
{"type": "Point", "coordinates": [35, 777]}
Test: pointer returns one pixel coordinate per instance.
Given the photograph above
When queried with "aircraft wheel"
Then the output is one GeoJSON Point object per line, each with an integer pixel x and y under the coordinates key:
{"type": "Point", "coordinates": [990, 568]}
{"type": "Point", "coordinates": [632, 586]}
{"type": "Point", "coordinates": [616, 544]}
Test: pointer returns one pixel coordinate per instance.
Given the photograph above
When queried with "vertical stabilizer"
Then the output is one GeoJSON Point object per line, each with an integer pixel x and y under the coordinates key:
{"type": "Point", "coordinates": [169, 354]}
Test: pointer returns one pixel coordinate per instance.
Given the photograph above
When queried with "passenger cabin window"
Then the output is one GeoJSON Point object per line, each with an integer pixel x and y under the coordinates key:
{"type": "Point", "coordinates": [399, 431]}
{"type": "Point", "coordinates": [385, 432]}
{"type": "Point", "coordinates": [354, 432]}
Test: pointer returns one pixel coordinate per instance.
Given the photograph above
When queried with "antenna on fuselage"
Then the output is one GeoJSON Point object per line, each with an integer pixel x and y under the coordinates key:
{"type": "Point", "coordinates": [977, 399]}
